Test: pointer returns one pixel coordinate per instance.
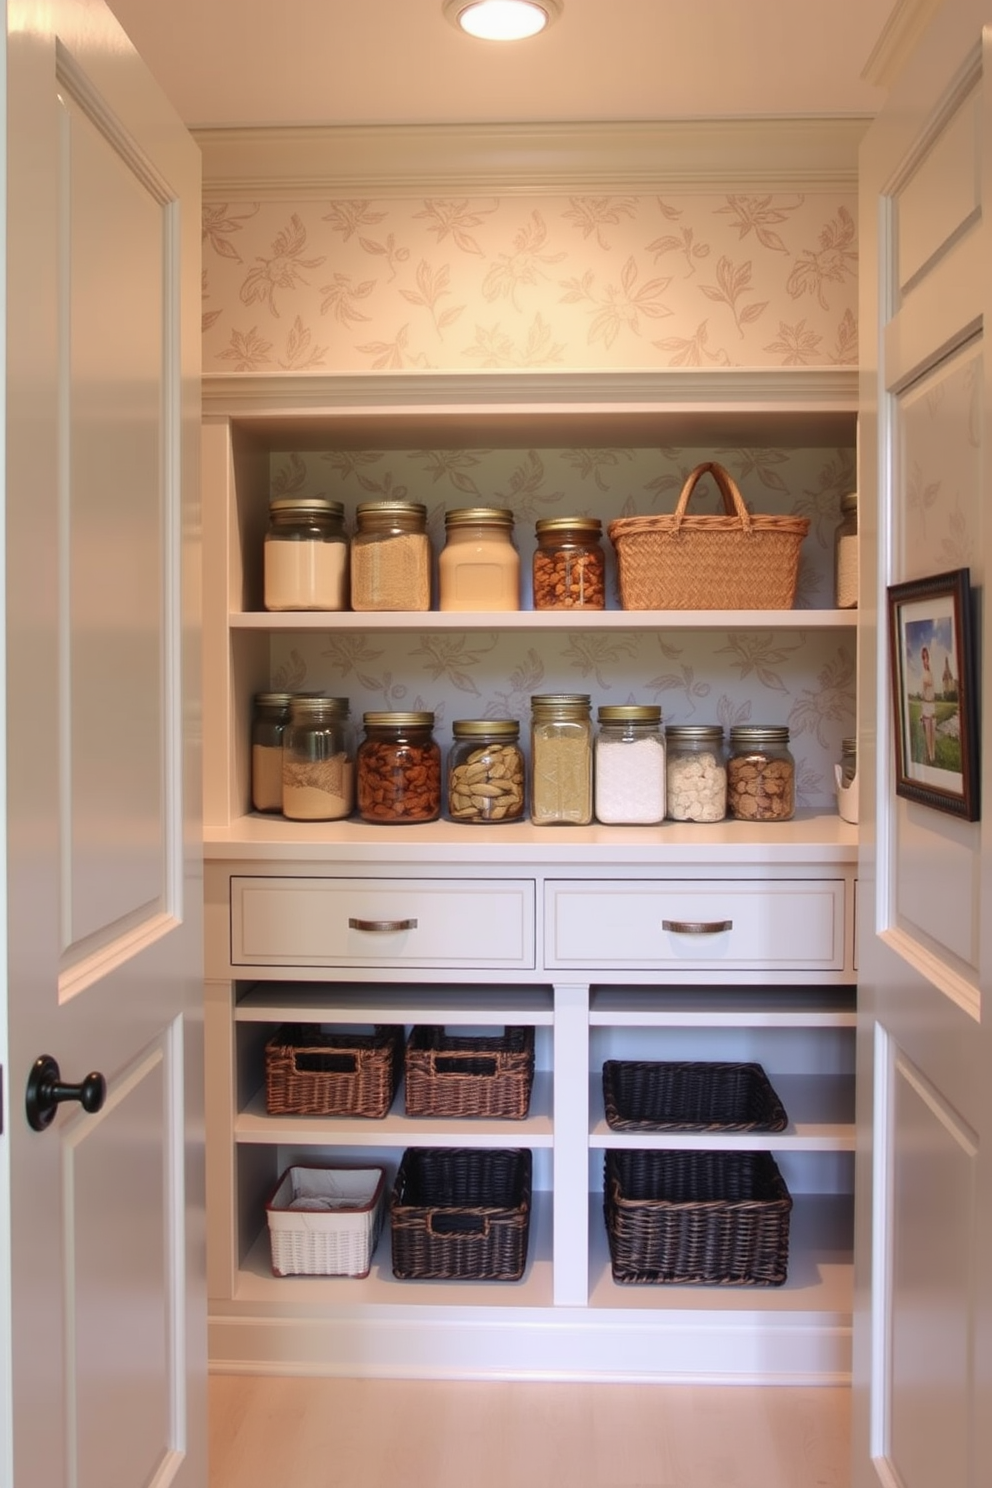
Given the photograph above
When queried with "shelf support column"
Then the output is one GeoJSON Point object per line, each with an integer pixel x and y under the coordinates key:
{"type": "Point", "coordinates": [571, 1149]}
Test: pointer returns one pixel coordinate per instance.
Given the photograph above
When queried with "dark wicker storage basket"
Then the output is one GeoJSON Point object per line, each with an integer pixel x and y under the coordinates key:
{"type": "Point", "coordinates": [734, 561]}
{"type": "Point", "coordinates": [461, 1213]}
{"type": "Point", "coordinates": [473, 1075]}
{"type": "Point", "coordinates": [666, 1095]}
{"type": "Point", "coordinates": [697, 1218]}
{"type": "Point", "coordinates": [311, 1073]}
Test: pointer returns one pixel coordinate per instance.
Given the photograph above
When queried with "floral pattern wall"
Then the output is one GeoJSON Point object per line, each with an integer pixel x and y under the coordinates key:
{"type": "Point", "coordinates": [692, 280]}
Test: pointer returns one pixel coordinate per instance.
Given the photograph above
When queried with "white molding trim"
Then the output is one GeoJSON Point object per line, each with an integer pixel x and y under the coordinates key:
{"type": "Point", "coordinates": [787, 389]}
{"type": "Point", "coordinates": [295, 164]}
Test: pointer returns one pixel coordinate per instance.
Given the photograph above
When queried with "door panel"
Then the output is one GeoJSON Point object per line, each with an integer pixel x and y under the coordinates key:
{"type": "Point", "coordinates": [104, 881]}
{"type": "Point", "coordinates": [923, 1274]}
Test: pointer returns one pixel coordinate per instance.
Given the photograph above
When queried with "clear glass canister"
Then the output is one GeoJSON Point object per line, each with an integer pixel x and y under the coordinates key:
{"type": "Point", "coordinates": [761, 774]}
{"type": "Point", "coordinates": [306, 555]}
{"type": "Point", "coordinates": [269, 719]}
{"type": "Point", "coordinates": [629, 765]}
{"type": "Point", "coordinates": [569, 566]}
{"type": "Point", "coordinates": [399, 769]}
{"type": "Point", "coordinates": [318, 768]}
{"type": "Point", "coordinates": [478, 567]}
{"type": "Point", "coordinates": [846, 554]}
{"type": "Point", "coordinates": [848, 761]}
{"type": "Point", "coordinates": [696, 772]}
{"type": "Point", "coordinates": [391, 557]}
{"type": "Point", "coordinates": [486, 771]}
{"type": "Point", "coordinates": [561, 759]}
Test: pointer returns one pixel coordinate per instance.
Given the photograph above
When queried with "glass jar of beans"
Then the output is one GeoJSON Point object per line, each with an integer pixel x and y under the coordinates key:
{"type": "Point", "coordinates": [399, 769]}
{"type": "Point", "coordinates": [569, 567]}
{"type": "Point", "coordinates": [761, 774]}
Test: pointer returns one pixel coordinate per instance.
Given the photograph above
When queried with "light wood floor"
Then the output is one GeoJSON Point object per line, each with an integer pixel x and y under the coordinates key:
{"type": "Point", "coordinates": [331, 1433]}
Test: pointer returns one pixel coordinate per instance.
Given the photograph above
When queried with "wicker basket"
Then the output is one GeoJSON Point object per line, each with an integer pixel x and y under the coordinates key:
{"type": "Point", "coordinates": [326, 1221]}
{"type": "Point", "coordinates": [312, 1073]}
{"type": "Point", "coordinates": [473, 1075]}
{"type": "Point", "coordinates": [696, 1218]}
{"type": "Point", "coordinates": [461, 1213]}
{"type": "Point", "coordinates": [665, 1095]}
{"type": "Point", "coordinates": [735, 561]}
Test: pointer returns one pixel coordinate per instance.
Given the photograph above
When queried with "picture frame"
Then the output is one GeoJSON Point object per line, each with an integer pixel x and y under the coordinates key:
{"type": "Point", "coordinates": [934, 704]}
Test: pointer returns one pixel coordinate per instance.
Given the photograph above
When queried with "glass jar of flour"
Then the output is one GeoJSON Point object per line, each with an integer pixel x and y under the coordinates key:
{"type": "Point", "coordinates": [318, 760]}
{"type": "Point", "coordinates": [629, 765]}
{"type": "Point", "coordinates": [306, 555]}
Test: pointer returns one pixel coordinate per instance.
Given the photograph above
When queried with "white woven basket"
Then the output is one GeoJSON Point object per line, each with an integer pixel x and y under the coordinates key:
{"type": "Point", "coordinates": [326, 1221]}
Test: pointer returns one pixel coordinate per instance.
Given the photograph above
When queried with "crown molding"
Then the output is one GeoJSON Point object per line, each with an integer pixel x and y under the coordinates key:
{"type": "Point", "coordinates": [298, 164]}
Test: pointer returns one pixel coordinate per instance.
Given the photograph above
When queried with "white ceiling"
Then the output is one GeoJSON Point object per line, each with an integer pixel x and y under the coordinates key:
{"type": "Point", "coordinates": [324, 62]}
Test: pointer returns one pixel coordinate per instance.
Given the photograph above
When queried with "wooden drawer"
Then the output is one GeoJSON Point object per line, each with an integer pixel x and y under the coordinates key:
{"type": "Point", "coordinates": [391, 923]}
{"type": "Point", "coordinates": [775, 925]}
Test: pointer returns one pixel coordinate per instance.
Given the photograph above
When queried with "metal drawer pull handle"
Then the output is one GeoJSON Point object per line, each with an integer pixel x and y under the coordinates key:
{"type": "Point", "coordinates": [380, 927]}
{"type": "Point", "coordinates": [697, 927]}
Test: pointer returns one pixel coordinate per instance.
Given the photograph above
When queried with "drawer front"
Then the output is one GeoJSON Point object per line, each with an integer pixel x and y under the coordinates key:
{"type": "Point", "coordinates": [389, 923]}
{"type": "Point", "coordinates": [776, 925]}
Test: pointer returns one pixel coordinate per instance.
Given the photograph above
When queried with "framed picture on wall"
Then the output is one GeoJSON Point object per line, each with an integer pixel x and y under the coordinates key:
{"type": "Point", "coordinates": [934, 707]}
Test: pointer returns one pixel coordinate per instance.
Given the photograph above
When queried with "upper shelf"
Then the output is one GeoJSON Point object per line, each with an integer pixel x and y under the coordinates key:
{"type": "Point", "coordinates": [778, 406]}
{"type": "Point", "coordinates": [540, 620]}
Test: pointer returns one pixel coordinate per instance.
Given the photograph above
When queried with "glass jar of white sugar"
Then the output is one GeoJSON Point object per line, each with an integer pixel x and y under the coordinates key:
{"type": "Point", "coordinates": [629, 765]}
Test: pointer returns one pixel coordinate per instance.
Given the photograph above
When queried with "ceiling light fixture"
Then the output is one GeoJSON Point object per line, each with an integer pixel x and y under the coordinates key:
{"type": "Point", "coordinates": [502, 20]}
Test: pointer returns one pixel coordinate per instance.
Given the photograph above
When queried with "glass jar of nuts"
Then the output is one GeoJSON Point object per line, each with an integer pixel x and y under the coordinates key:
{"type": "Point", "coordinates": [569, 567]}
{"type": "Point", "coordinates": [761, 774]}
{"type": "Point", "coordinates": [399, 769]}
{"type": "Point", "coordinates": [485, 771]}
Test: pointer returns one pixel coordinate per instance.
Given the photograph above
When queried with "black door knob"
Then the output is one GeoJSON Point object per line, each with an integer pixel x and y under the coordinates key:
{"type": "Point", "coordinates": [46, 1091]}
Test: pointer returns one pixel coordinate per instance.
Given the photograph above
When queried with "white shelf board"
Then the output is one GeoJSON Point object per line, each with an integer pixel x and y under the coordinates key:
{"type": "Point", "coordinates": [820, 1271]}
{"type": "Point", "coordinates": [818, 837]}
{"type": "Point", "coordinates": [343, 1002]}
{"type": "Point", "coordinates": [310, 1296]}
{"type": "Point", "coordinates": [820, 1110]}
{"type": "Point", "coordinates": [253, 1125]}
{"type": "Point", "coordinates": [539, 620]}
{"type": "Point", "coordinates": [723, 1007]}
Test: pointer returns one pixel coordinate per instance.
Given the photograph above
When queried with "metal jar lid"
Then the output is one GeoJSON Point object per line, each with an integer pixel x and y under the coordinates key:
{"type": "Point", "coordinates": [493, 728]}
{"type": "Point", "coordinates": [558, 526]}
{"type": "Point", "coordinates": [398, 720]}
{"type": "Point", "coordinates": [488, 516]}
{"type": "Point", "coordinates": [306, 506]}
{"type": "Point", "coordinates": [693, 733]}
{"type": "Point", "coordinates": [754, 735]}
{"type": "Point", "coordinates": [377, 515]}
{"type": "Point", "coordinates": [849, 501]}
{"type": "Point", "coordinates": [273, 699]}
{"type": "Point", "coordinates": [636, 713]}
{"type": "Point", "coordinates": [305, 707]}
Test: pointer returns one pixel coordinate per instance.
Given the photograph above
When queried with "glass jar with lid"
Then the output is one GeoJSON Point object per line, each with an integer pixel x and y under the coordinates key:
{"type": "Point", "coordinates": [569, 566]}
{"type": "Point", "coordinates": [391, 557]}
{"type": "Point", "coordinates": [318, 769]}
{"type": "Point", "coordinates": [486, 771]}
{"type": "Point", "coordinates": [399, 769]}
{"type": "Point", "coordinates": [305, 555]}
{"type": "Point", "coordinates": [848, 761]}
{"type": "Point", "coordinates": [761, 774]}
{"type": "Point", "coordinates": [478, 567]}
{"type": "Point", "coordinates": [846, 554]}
{"type": "Point", "coordinates": [561, 759]}
{"type": "Point", "coordinates": [629, 765]}
{"type": "Point", "coordinates": [269, 719]}
{"type": "Point", "coordinates": [696, 772]}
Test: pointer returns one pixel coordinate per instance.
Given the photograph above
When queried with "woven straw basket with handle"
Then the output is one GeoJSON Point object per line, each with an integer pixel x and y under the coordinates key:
{"type": "Point", "coordinates": [731, 561]}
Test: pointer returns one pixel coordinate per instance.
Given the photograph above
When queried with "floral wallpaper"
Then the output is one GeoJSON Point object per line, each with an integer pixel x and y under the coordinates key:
{"type": "Point", "coordinates": [686, 280]}
{"type": "Point", "coordinates": [798, 676]}
{"type": "Point", "coordinates": [692, 279]}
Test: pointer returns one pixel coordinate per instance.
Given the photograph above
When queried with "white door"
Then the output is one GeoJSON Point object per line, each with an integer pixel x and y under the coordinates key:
{"type": "Point", "coordinates": [924, 1247]}
{"type": "Point", "coordinates": [104, 885]}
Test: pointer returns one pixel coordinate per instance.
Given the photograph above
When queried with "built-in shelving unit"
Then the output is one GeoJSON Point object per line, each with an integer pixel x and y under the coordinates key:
{"type": "Point", "coordinates": [278, 949]}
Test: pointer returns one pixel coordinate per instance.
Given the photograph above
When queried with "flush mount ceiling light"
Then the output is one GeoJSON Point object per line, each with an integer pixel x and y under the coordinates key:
{"type": "Point", "coordinates": [502, 20]}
